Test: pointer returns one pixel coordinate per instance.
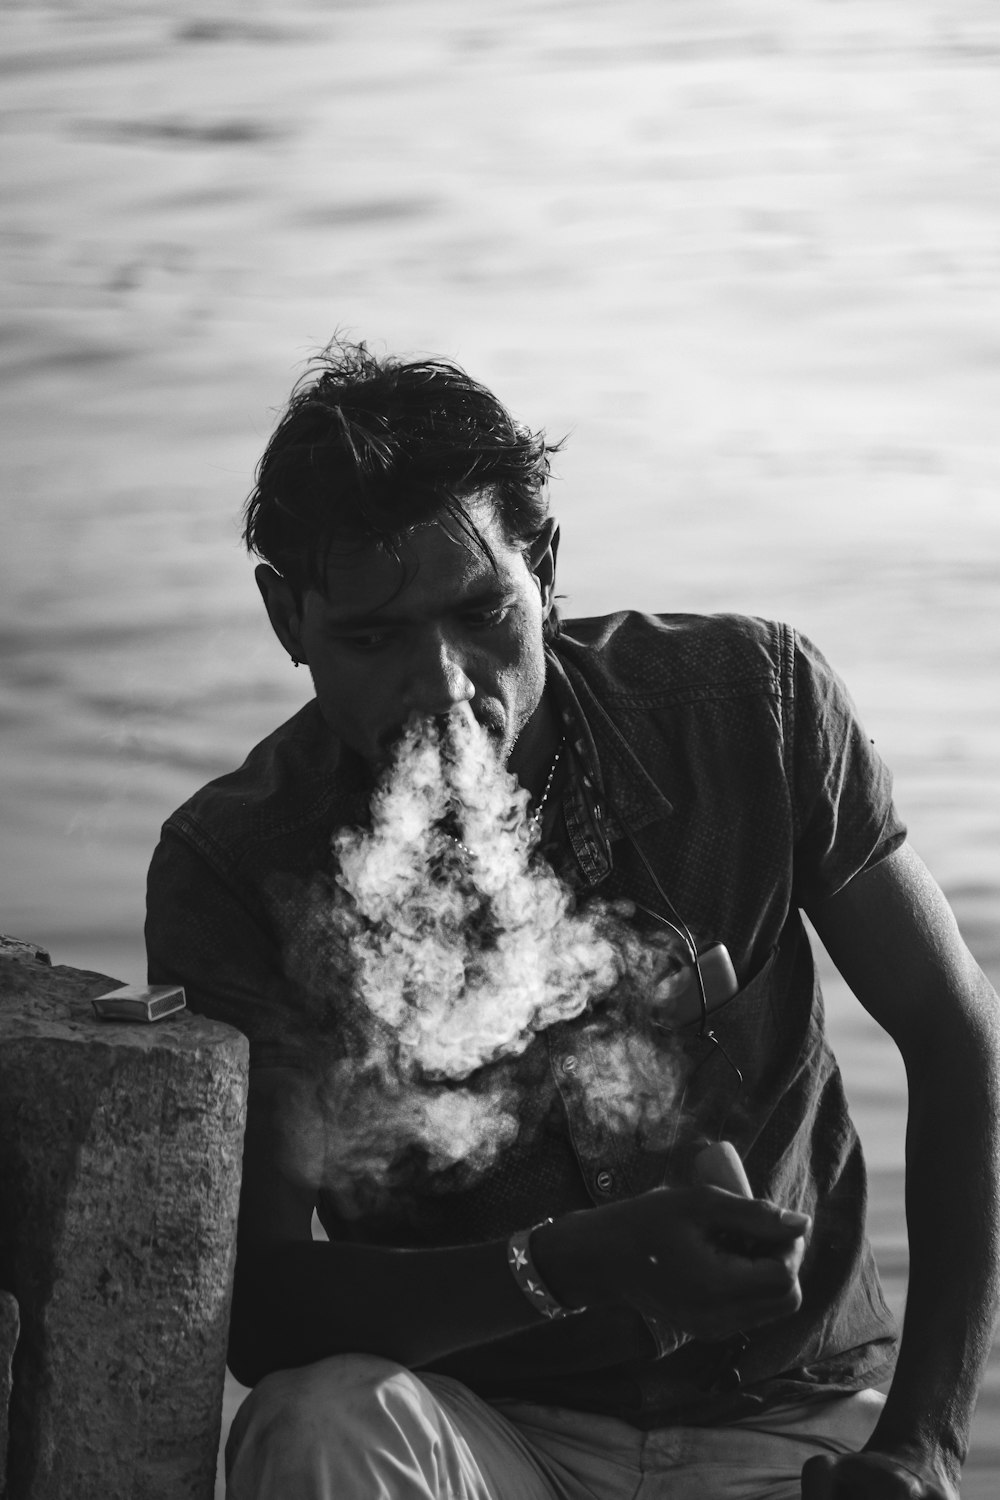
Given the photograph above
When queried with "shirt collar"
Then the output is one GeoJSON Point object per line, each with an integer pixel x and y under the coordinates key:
{"type": "Point", "coordinates": [591, 798]}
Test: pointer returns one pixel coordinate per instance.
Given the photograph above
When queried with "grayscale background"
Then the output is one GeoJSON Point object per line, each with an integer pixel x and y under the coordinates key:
{"type": "Point", "coordinates": [747, 255]}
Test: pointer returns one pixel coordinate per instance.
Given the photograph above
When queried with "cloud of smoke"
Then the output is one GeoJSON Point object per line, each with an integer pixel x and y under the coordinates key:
{"type": "Point", "coordinates": [435, 955]}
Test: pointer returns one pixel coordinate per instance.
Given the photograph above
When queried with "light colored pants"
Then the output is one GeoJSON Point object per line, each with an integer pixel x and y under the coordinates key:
{"type": "Point", "coordinates": [356, 1427]}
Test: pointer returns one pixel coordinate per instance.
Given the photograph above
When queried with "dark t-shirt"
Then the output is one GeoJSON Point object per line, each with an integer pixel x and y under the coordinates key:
{"type": "Point", "coordinates": [718, 760]}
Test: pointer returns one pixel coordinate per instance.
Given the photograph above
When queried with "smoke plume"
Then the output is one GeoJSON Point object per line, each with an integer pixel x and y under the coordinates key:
{"type": "Point", "coordinates": [442, 945]}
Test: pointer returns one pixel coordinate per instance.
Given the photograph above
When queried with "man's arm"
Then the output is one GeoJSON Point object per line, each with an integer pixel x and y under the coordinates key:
{"type": "Point", "coordinates": [893, 937]}
{"type": "Point", "coordinates": [296, 1301]}
{"type": "Point", "coordinates": [669, 1252]}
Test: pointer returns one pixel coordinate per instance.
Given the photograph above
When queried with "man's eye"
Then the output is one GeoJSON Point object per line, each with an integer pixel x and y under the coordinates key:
{"type": "Point", "coordinates": [483, 618]}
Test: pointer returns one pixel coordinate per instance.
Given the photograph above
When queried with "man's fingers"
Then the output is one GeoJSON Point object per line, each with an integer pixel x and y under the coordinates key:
{"type": "Point", "coordinates": [817, 1478]}
{"type": "Point", "coordinates": [740, 1290]}
{"type": "Point", "coordinates": [864, 1476]}
{"type": "Point", "coordinates": [708, 1260]}
{"type": "Point", "coordinates": [753, 1218]}
{"type": "Point", "coordinates": [751, 1306]}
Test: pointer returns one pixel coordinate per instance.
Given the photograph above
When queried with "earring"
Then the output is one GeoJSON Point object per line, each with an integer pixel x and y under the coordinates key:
{"type": "Point", "coordinates": [295, 661]}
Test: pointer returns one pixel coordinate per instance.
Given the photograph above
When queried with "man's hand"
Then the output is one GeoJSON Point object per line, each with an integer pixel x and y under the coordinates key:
{"type": "Point", "coordinates": [871, 1476]}
{"type": "Point", "coordinates": [708, 1261]}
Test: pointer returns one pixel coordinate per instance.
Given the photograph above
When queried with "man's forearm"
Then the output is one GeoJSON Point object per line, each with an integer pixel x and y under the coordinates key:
{"type": "Point", "coordinates": [298, 1301]}
{"type": "Point", "coordinates": [894, 938]}
{"type": "Point", "coordinates": [667, 1252]}
{"type": "Point", "coordinates": [953, 1220]}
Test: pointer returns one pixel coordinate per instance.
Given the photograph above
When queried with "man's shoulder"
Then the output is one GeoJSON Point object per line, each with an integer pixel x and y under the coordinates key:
{"type": "Point", "coordinates": [288, 780]}
{"type": "Point", "coordinates": [655, 654]}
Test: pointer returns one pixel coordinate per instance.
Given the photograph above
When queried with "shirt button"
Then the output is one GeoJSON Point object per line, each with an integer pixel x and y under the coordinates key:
{"type": "Point", "coordinates": [569, 1064]}
{"type": "Point", "coordinates": [605, 1182]}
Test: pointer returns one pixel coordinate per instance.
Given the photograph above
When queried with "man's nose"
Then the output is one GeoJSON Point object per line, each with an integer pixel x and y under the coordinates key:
{"type": "Point", "coordinates": [437, 679]}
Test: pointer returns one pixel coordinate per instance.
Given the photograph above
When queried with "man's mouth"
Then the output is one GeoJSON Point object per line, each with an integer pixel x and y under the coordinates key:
{"type": "Point", "coordinates": [444, 727]}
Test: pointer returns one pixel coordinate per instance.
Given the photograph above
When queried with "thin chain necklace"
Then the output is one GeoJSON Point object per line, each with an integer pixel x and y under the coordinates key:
{"type": "Point", "coordinates": [536, 813]}
{"type": "Point", "coordinates": [536, 816]}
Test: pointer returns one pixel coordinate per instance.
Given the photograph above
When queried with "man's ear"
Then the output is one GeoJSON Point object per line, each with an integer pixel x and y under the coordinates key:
{"type": "Point", "coordinates": [284, 609]}
{"type": "Point", "coordinates": [542, 562]}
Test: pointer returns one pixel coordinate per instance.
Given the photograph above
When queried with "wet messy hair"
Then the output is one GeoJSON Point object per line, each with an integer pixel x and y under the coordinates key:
{"type": "Point", "coordinates": [370, 448]}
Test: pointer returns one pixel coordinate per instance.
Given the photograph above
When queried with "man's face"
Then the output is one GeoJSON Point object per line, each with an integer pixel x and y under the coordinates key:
{"type": "Point", "coordinates": [387, 640]}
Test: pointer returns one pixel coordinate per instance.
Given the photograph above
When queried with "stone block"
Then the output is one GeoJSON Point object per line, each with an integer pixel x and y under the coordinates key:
{"type": "Point", "coordinates": [120, 1157]}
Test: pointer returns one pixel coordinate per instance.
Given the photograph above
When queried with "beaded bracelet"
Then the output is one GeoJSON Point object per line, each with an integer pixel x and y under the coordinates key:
{"type": "Point", "coordinates": [526, 1275]}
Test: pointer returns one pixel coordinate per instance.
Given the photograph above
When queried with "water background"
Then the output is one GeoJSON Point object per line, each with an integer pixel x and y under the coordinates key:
{"type": "Point", "coordinates": [747, 255]}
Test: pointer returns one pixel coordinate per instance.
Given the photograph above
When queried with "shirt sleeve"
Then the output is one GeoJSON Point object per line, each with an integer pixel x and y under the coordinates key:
{"type": "Point", "coordinates": [199, 933]}
{"type": "Point", "coordinates": [845, 818]}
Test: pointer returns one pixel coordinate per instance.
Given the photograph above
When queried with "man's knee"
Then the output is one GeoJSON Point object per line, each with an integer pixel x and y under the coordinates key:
{"type": "Point", "coordinates": [292, 1403]}
{"type": "Point", "coordinates": [327, 1423]}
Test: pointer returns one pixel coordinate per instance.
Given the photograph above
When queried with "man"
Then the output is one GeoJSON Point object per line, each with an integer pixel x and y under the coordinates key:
{"type": "Point", "coordinates": [569, 1325]}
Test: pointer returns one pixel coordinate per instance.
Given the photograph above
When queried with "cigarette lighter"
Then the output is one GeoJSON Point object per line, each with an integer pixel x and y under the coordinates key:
{"type": "Point", "coordinates": [718, 1164]}
{"type": "Point", "coordinates": [140, 1002]}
